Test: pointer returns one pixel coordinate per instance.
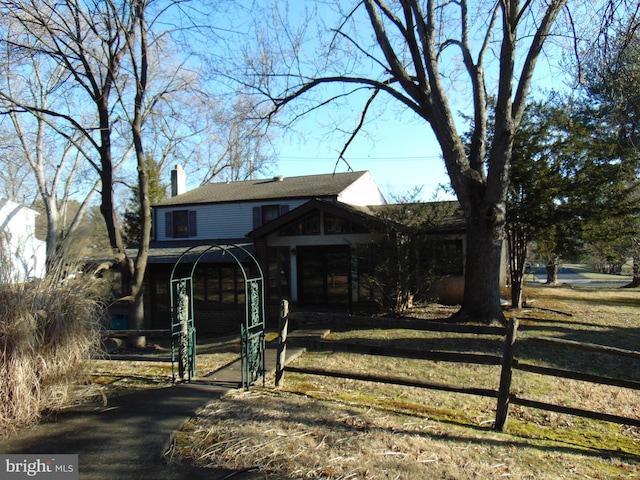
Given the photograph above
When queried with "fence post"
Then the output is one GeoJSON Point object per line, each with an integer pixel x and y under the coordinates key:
{"type": "Point", "coordinates": [505, 376]}
{"type": "Point", "coordinates": [282, 341]}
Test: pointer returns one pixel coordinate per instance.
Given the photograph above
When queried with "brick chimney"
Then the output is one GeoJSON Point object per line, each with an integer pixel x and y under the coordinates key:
{"type": "Point", "coordinates": [178, 181]}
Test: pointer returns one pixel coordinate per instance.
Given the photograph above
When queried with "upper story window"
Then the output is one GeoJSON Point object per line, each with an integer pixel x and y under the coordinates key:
{"type": "Point", "coordinates": [267, 213]}
{"type": "Point", "coordinates": [270, 212]}
{"type": "Point", "coordinates": [180, 224]}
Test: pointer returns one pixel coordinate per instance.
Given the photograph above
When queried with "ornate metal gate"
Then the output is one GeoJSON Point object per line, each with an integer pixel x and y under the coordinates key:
{"type": "Point", "coordinates": [183, 332]}
{"type": "Point", "coordinates": [252, 332]}
{"type": "Point", "coordinates": [183, 329]}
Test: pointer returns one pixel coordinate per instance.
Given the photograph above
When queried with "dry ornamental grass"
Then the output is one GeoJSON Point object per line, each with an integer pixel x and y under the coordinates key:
{"type": "Point", "coordinates": [48, 330]}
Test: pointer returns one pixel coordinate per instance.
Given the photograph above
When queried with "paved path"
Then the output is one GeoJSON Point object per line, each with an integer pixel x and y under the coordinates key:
{"type": "Point", "coordinates": [127, 439]}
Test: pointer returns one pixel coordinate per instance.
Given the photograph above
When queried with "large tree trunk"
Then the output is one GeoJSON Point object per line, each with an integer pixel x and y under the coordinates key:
{"type": "Point", "coordinates": [136, 320]}
{"type": "Point", "coordinates": [485, 237]}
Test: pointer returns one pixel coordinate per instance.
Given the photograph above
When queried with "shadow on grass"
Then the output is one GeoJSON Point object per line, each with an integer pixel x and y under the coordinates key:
{"type": "Point", "coordinates": [526, 348]}
{"type": "Point", "coordinates": [311, 418]}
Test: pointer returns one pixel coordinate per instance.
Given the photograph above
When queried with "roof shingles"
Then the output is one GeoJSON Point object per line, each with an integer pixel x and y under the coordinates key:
{"type": "Point", "coordinates": [274, 188]}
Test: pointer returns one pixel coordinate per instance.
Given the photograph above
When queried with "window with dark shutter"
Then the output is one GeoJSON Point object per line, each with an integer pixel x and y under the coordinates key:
{"type": "Point", "coordinates": [168, 224]}
{"type": "Point", "coordinates": [193, 229]}
{"type": "Point", "coordinates": [180, 224]}
{"type": "Point", "coordinates": [267, 213]}
{"type": "Point", "coordinates": [257, 217]}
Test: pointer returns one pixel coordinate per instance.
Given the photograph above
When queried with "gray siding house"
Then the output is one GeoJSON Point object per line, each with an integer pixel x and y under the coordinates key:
{"type": "Point", "coordinates": [309, 234]}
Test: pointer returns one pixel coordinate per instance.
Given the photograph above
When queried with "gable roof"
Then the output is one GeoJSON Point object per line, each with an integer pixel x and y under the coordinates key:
{"type": "Point", "coordinates": [445, 217]}
{"type": "Point", "coordinates": [359, 214]}
{"type": "Point", "coordinates": [324, 185]}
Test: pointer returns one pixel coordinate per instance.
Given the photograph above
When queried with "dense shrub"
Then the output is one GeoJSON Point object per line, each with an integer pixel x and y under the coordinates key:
{"type": "Point", "coordinates": [48, 329]}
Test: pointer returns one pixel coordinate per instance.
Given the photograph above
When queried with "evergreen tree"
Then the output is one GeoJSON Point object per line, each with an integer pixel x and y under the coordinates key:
{"type": "Point", "coordinates": [535, 184]}
{"type": "Point", "coordinates": [569, 187]}
{"type": "Point", "coordinates": [132, 218]}
{"type": "Point", "coordinates": [612, 84]}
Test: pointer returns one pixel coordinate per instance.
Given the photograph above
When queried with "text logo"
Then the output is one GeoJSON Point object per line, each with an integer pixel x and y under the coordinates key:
{"type": "Point", "coordinates": [49, 467]}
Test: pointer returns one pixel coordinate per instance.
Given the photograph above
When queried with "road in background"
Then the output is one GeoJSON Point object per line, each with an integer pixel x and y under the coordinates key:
{"type": "Point", "coordinates": [575, 276]}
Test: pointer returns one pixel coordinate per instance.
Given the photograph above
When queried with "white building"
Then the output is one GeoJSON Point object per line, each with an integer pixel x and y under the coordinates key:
{"type": "Point", "coordinates": [22, 255]}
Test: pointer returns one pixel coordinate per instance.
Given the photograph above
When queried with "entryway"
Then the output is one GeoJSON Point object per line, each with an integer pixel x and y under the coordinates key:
{"type": "Point", "coordinates": [183, 331]}
{"type": "Point", "coordinates": [324, 276]}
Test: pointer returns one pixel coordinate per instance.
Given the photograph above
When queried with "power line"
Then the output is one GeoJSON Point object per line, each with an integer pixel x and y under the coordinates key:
{"type": "Point", "coordinates": [351, 159]}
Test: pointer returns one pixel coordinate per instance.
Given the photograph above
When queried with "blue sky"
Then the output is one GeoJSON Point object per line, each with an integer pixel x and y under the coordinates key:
{"type": "Point", "coordinates": [401, 155]}
{"type": "Point", "coordinates": [398, 148]}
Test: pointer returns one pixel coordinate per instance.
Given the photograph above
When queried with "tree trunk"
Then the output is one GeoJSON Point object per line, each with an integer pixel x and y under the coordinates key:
{"type": "Point", "coordinates": [635, 281]}
{"type": "Point", "coordinates": [517, 239]}
{"type": "Point", "coordinates": [136, 321]}
{"type": "Point", "coordinates": [136, 309]}
{"type": "Point", "coordinates": [485, 237]}
{"type": "Point", "coordinates": [552, 272]}
{"type": "Point", "coordinates": [53, 236]}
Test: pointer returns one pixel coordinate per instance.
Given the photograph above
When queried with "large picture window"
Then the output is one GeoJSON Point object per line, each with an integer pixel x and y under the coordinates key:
{"type": "Point", "coordinates": [219, 284]}
{"type": "Point", "coordinates": [447, 257]}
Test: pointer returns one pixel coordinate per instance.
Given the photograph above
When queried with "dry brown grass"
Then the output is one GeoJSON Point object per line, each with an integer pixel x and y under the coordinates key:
{"type": "Point", "coordinates": [318, 427]}
{"type": "Point", "coordinates": [48, 329]}
{"type": "Point", "coordinates": [108, 378]}
{"type": "Point", "coordinates": [294, 436]}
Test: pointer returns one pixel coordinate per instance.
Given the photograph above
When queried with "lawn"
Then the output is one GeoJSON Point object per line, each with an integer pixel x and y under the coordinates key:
{"type": "Point", "coordinates": [106, 377]}
{"type": "Point", "coordinates": [318, 427]}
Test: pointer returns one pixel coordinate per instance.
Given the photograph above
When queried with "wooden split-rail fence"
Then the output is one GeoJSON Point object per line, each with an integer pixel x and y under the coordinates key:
{"type": "Point", "coordinates": [507, 362]}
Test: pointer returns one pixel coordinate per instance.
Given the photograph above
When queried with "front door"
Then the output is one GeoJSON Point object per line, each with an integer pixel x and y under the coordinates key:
{"type": "Point", "coordinates": [324, 276]}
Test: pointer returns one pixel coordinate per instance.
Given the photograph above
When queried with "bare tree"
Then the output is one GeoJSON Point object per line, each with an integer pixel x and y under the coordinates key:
{"type": "Point", "coordinates": [124, 65]}
{"type": "Point", "coordinates": [57, 162]}
{"type": "Point", "coordinates": [107, 51]}
{"type": "Point", "coordinates": [240, 146]}
{"type": "Point", "coordinates": [15, 175]}
{"type": "Point", "coordinates": [422, 54]}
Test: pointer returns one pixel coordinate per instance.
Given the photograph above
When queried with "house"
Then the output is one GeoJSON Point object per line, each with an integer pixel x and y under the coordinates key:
{"type": "Point", "coordinates": [22, 255]}
{"type": "Point", "coordinates": [310, 234]}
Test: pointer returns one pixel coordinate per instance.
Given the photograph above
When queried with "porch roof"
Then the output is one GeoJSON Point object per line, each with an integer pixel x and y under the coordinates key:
{"type": "Point", "coordinates": [216, 251]}
{"type": "Point", "coordinates": [356, 213]}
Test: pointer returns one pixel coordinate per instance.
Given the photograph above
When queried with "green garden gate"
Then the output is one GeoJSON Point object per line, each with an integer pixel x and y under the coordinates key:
{"type": "Point", "coordinates": [183, 331]}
